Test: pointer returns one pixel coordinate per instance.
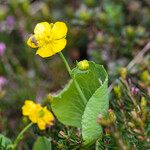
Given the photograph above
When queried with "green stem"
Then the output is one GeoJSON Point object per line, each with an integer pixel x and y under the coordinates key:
{"type": "Point", "coordinates": [20, 135]}
{"type": "Point", "coordinates": [97, 145]}
{"type": "Point", "coordinates": [76, 83]}
{"type": "Point", "coordinates": [65, 62]}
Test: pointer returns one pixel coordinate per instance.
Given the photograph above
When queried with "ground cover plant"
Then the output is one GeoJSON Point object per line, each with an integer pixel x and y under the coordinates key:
{"type": "Point", "coordinates": [74, 75]}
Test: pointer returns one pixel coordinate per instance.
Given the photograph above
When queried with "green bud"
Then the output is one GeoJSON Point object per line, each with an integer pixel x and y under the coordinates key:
{"type": "Point", "coordinates": [112, 116]}
{"type": "Point", "coordinates": [49, 97]}
{"type": "Point", "coordinates": [123, 72]}
{"type": "Point", "coordinates": [83, 65]}
{"type": "Point", "coordinates": [143, 102]}
{"type": "Point", "coordinates": [130, 124]}
{"type": "Point", "coordinates": [144, 76]}
{"type": "Point", "coordinates": [117, 91]}
{"type": "Point", "coordinates": [129, 31]}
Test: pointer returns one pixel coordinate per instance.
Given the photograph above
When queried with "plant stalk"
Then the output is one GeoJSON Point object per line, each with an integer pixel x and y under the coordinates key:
{"type": "Point", "coordinates": [75, 82]}
{"type": "Point", "coordinates": [20, 135]}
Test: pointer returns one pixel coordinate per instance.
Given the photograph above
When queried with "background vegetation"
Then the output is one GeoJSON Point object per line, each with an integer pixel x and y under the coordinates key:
{"type": "Point", "coordinates": [114, 33]}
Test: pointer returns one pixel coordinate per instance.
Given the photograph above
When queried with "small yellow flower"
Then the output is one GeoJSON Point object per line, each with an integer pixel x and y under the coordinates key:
{"type": "Point", "coordinates": [28, 108]}
{"type": "Point", "coordinates": [48, 38]}
{"type": "Point", "coordinates": [38, 114]}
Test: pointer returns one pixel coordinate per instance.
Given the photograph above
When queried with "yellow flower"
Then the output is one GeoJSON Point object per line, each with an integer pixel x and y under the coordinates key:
{"type": "Point", "coordinates": [28, 107]}
{"type": "Point", "coordinates": [38, 114]}
{"type": "Point", "coordinates": [48, 38]}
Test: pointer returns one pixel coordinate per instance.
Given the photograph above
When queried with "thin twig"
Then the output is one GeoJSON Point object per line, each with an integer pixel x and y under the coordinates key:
{"type": "Point", "coordinates": [139, 56]}
{"type": "Point", "coordinates": [134, 61]}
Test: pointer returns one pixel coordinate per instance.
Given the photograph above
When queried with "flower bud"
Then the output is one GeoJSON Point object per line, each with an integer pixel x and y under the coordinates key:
{"type": "Point", "coordinates": [112, 116]}
{"type": "Point", "coordinates": [134, 90]}
{"type": "Point", "coordinates": [130, 124]}
{"type": "Point", "coordinates": [144, 76]}
{"type": "Point", "coordinates": [129, 31]}
{"type": "Point", "coordinates": [117, 91]}
{"type": "Point", "coordinates": [143, 102]}
{"type": "Point", "coordinates": [49, 97]}
{"type": "Point", "coordinates": [123, 72]}
{"type": "Point", "coordinates": [83, 65]}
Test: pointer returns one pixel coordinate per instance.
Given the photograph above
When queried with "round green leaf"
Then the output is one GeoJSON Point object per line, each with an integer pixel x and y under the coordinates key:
{"type": "Point", "coordinates": [70, 108]}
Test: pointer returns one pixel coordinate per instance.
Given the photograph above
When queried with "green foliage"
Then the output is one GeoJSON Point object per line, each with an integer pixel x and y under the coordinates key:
{"type": "Point", "coordinates": [70, 109]}
{"type": "Point", "coordinates": [42, 143]}
{"type": "Point", "coordinates": [4, 142]}
{"type": "Point", "coordinates": [97, 104]}
{"type": "Point", "coordinates": [107, 32]}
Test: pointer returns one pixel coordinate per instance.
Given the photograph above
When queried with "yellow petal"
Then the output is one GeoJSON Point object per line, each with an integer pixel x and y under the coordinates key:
{"type": "Point", "coordinates": [28, 107]}
{"type": "Point", "coordinates": [41, 124]}
{"type": "Point", "coordinates": [59, 45]}
{"type": "Point", "coordinates": [32, 42]}
{"type": "Point", "coordinates": [45, 51]}
{"type": "Point", "coordinates": [33, 117]}
{"type": "Point", "coordinates": [29, 102]}
{"type": "Point", "coordinates": [42, 33]}
{"type": "Point", "coordinates": [51, 48]}
{"type": "Point", "coordinates": [48, 117]}
{"type": "Point", "coordinates": [25, 111]}
{"type": "Point", "coordinates": [59, 30]}
{"type": "Point", "coordinates": [42, 28]}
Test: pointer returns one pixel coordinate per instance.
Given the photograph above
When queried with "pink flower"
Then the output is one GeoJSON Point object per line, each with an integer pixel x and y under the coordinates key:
{"type": "Point", "coordinates": [3, 82]}
{"type": "Point", "coordinates": [2, 48]}
{"type": "Point", "coordinates": [134, 90]}
{"type": "Point", "coordinates": [10, 21]}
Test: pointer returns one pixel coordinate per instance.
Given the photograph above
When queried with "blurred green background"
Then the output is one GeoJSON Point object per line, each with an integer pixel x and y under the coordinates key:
{"type": "Point", "coordinates": [109, 32]}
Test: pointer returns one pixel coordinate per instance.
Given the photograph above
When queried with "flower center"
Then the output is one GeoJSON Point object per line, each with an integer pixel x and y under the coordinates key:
{"type": "Point", "coordinates": [41, 113]}
{"type": "Point", "coordinates": [47, 39]}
